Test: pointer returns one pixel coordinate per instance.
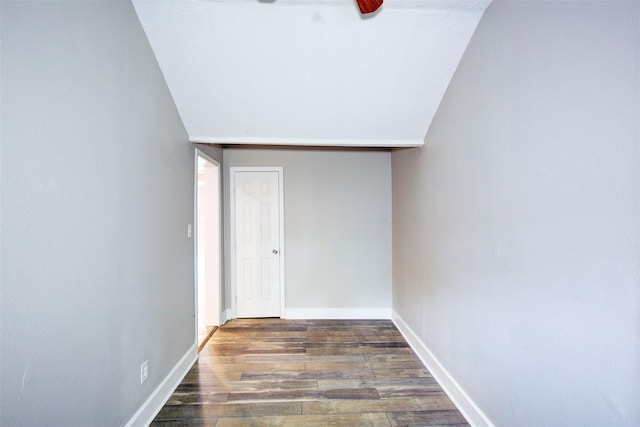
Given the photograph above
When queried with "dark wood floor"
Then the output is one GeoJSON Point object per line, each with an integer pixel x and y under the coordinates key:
{"type": "Point", "coordinates": [272, 372]}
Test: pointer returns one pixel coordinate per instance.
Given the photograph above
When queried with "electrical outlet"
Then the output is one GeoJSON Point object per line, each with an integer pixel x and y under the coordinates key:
{"type": "Point", "coordinates": [189, 231]}
{"type": "Point", "coordinates": [144, 371]}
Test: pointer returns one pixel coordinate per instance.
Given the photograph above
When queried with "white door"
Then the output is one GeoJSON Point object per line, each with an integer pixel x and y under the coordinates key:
{"type": "Point", "coordinates": [257, 237]}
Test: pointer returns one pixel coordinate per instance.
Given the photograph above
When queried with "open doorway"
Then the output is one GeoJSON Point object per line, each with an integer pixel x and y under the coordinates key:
{"type": "Point", "coordinates": [208, 247]}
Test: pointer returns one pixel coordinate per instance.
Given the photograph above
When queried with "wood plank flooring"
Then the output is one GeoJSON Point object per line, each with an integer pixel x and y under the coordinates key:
{"type": "Point", "coordinates": [273, 372]}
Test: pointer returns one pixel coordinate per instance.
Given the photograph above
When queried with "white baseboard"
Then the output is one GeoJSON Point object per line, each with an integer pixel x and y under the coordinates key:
{"type": "Point", "coordinates": [460, 398]}
{"type": "Point", "coordinates": [338, 313]}
{"type": "Point", "coordinates": [162, 393]}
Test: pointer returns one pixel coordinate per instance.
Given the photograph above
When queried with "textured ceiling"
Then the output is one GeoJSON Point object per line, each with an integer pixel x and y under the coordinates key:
{"type": "Point", "coordinates": [308, 72]}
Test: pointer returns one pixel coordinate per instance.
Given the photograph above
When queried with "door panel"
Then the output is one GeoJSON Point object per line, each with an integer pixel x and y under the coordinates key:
{"type": "Point", "coordinates": [257, 204]}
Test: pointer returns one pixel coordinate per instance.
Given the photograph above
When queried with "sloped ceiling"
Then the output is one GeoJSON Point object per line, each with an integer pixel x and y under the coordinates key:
{"type": "Point", "coordinates": [308, 72]}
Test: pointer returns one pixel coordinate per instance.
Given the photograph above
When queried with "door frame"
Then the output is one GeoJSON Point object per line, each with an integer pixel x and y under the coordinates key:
{"type": "Point", "coordinates": [232, 230]}
{"type": "Point", "coordinates": [200, 153]}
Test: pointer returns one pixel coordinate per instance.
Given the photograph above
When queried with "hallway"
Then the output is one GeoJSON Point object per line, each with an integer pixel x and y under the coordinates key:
{"type": "Point", "coordinates": [308, 372]}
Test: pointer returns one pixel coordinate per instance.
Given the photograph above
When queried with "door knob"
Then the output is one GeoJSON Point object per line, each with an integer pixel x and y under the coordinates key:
{"type": "Point", "coordinates": [275, 251]}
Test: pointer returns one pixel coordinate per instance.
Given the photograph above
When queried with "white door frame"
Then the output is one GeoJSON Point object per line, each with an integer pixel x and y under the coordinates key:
{"type": "Point", "coordinates": [194, 233]}
{"type": "Point", "coordinates": [232, 231]}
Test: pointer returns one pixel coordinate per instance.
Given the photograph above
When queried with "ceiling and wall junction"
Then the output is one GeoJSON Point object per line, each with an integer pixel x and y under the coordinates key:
{"type": "Point", "coordinates": [292, 72]}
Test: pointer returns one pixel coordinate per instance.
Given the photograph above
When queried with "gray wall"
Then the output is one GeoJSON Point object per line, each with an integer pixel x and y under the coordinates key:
{"type": "Point", "coordinates": [97, 191]}
{"type": "Point", "coordinates": [213, 151]}
{"type": "Point", "coordinates": [337, 224]}
{"type": "Point", "coordinates": [516, 227]}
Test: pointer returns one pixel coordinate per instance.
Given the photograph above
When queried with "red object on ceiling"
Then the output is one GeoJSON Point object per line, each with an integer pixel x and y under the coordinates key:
{"type": "Point", "coordinates": [369, 6]}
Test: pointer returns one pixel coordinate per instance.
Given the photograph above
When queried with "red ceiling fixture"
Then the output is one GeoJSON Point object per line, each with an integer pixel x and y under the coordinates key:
{"type": "Point", "coordinates": [369, 6]}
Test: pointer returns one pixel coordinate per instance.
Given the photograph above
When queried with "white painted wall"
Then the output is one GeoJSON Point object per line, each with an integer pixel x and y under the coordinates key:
{"type": "Point", "coordinates": [97, 191]}
{"type": "Point", "coordinates": [310, 72]}
{"type": "Point", "coordinates": [516, 227]}
{"type": "Point", "coordinates": [208, 231]}
{"type": "Point", "coordinates": [215, 152]}
{"type": "Point", "coordinates": [337, 227]}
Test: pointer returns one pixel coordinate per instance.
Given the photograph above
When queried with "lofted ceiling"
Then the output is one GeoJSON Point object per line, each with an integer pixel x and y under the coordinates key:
{"type": "Point", "coordinates": [308, 72]}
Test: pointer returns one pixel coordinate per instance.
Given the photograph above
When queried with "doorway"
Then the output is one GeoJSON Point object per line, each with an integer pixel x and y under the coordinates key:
{"type": "Point", "coordinates": [208, 247]}
{"type": "Point", "coordinates": [257, 237]}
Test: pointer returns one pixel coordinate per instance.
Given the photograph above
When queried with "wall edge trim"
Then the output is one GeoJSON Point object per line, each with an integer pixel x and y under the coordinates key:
{"type": "Point", "coordinates": [328, 142]}
{"type": "Point", "coordinates": [368, 313]}
{"type": "Point", "coordinates": [154, 403]}
{"type": "Point", "coordinates": [226, 316]}
{"type": "Point", "coordinates": [472, 413]}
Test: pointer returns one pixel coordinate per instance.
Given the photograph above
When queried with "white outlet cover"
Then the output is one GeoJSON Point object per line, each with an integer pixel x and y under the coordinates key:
{"type": "Point", "coordinates": [144, 371]}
